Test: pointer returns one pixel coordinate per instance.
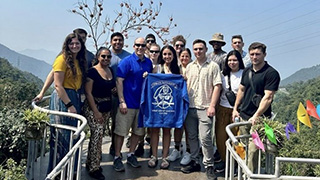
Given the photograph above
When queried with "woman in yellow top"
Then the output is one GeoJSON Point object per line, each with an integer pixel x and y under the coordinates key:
{"type": "Point", "coordinates": [69, 74]}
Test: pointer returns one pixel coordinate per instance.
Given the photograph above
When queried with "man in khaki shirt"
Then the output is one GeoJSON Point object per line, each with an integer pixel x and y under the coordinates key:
{"type": "Point", "coordinates": [204, 86]}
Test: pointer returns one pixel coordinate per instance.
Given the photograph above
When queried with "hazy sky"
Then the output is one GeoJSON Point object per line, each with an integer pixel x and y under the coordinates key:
{"type": "Point", "coordinates": [289, 28]}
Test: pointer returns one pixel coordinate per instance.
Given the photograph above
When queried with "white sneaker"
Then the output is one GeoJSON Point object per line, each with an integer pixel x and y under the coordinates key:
{"type": "Point", "coordinates": [175, 154]}
{"type": "Point", "coordinates": [186, 159]}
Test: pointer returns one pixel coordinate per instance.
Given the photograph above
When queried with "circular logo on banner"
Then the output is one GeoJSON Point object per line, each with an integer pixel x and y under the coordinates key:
{"type": "Point", "coordinates": [163, 97]}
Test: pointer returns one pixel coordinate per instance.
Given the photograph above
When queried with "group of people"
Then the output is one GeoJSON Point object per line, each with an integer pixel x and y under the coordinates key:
{"type": "Point", "coordinates": [112, 82]}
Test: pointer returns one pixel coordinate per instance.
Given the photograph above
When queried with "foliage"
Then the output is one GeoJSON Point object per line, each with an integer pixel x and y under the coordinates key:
{"type": "Point", "coordinates": [12, 140]}
{"type": "Point", "coordinates": [16, 90]}
{"type": "Point", "coordinates": [287, 100]}
{"type": "Point", "coordinates": [13, 171]}
{"type": "Point", "coordinates": [278, 130]}
{"type": "Point", "coordinates": [128, 18]}
{"type": "Point", "coordinates": [35, 116]}
{"type": "Point", "coordinates": [10, 73]}
{"type": "Point", "coordinates": [305, 144]}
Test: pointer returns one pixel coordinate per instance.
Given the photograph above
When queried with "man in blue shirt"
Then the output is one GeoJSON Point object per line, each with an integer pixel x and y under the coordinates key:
{"type": "Point", "coordinates": [129, 86]}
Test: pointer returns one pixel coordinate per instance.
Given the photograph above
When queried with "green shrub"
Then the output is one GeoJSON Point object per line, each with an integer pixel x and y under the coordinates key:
{"type": "Point", "coordinates": [12, 139]}
{"type": "Point", "coordinates": [305, 144]}
{"type": "Point", "coordinates": [13, 171]}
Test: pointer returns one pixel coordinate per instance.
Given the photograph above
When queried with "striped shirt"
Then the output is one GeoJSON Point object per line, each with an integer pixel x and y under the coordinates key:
{"type": "Point", "coordinates": [201, 80]}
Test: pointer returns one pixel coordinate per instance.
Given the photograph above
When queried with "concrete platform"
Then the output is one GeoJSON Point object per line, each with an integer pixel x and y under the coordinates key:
{"type": "Point", "coordinates": [142, 173]}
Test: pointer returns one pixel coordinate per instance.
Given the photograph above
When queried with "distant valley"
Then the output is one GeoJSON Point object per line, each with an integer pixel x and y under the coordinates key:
{"type": "Point", "coordinates": [45, 55]}
{"type": "Point", "coordinates": [40, 68]}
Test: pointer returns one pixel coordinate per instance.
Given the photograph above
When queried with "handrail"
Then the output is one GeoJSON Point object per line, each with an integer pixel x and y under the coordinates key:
{"type": "Point", "coordinates": [78, 131]}
{"type": "Point", "coordinates": [233, 125]}
{"type": "Point", "coordinates": [243, 168]}
{"type": "Point", "coordinates": [73, 115]}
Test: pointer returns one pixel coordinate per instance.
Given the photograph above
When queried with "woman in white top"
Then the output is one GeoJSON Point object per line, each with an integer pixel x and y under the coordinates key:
{"type": "Point", "coordinates": [232, 72]}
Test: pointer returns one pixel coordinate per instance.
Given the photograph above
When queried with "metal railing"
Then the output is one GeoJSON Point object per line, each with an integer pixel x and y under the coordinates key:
{"type": "Point", "coordinates": [272, 168]}
{"type": "Point", "coordinates": [65, 167]}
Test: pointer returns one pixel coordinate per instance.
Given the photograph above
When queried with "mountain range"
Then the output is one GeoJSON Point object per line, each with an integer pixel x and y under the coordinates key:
{"type": "Point", "coordinates": [302, 75]}
{"type": "Point", "coordinates": [29, 60]}
{"type": "Point", "coordinates": [43, 54]}
{"type": "Point", "coordinates": [25, 63]}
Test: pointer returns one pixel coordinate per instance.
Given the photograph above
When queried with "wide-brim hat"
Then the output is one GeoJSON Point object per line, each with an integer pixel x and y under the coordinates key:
{"type": "Point", "coordinates": [218, 37]}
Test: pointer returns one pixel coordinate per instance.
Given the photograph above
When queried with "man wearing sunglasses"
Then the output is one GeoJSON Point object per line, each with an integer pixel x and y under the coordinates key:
{"type": "Point", "coordinates": [129, 86]}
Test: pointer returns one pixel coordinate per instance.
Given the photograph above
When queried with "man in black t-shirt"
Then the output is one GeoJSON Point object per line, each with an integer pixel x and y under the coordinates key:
{"type": "Point", "coordinates": [265, 82]}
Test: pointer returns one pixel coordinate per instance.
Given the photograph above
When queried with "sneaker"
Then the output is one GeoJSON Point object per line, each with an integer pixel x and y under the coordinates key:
{"type": "Point", "coordinates": [132, 160]}
{"type": "Point", "coordinates": [175, 154]}
{"type": "Point", "coordinates": [210, 173]}
{"type": "Point", "coordinates": [186, 159]}
{"type": "Point", "coordinates": [139, 151]}
{"type": "Point", "coordinates": [153, 162]}
{"type": "Point", "coordinates": [192, 167]}
{"type": "Point", "coordinates": [118, 165]}
{"type": "Point", "coordinates": [97, 175]}
{"type": "Point", "coordinates": [164, 164]}
{"type": "Point", "coordinates": [219, 168]}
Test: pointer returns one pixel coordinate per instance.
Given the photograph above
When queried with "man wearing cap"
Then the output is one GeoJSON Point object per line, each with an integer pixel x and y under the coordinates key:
{"type": "Point", "coordinates": [237, 44]}
{"type": "Point", "coordinates": [218, 55]}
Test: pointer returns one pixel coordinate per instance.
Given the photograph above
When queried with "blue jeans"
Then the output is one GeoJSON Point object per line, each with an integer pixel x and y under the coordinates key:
{"type": "Point", "coordinates": [63, 135]}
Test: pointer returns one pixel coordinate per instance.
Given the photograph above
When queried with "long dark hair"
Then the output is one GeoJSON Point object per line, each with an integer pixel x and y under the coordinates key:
{"type": "Point", "coordinates": [226, 69]}
{"type": "Point", "coordinates": [81, 55]}
{"type": "Point", "coordinates": [174, 68]}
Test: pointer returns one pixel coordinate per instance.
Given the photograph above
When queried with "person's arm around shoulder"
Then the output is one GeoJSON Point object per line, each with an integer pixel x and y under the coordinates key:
{"type": "Point", "coordinates": [122, 104]}
{"type": "Point", "coordinates": [58, 83]}
{"type": "Point", "coordinates": [45, 87]}
{"type": "Point", "coordinates": [88, 88]}
{"type": "Point", "coordinates": [239, 97]}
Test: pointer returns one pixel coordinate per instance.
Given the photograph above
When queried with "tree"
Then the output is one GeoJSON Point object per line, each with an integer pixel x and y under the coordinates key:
{"type": "Point", "coordinates": [129, 18]}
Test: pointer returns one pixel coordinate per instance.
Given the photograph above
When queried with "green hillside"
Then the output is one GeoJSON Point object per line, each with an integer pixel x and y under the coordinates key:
{"type": "Point", "coordinates": [287, 99]}
{"type": "Point", "coordinates": [17, 88]}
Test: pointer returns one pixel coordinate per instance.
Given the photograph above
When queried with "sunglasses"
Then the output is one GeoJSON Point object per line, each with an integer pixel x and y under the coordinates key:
{"type": "Point", "coordinates": [151, 51]}
{"type": "Point", "coordinates": [181, 45]}
{"type": "Point", "coordinates": [140, 45]}
{"type": "Point", "coordinates": [108, 56]}
{"type": "Point", "coordinates": [151, 41]}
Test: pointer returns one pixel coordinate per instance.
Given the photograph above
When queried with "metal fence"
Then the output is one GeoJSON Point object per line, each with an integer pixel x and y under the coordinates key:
{"type": "Point", "coordinates": [271, 170]}
{"type": "Point", "coordinates": [63, 169]}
